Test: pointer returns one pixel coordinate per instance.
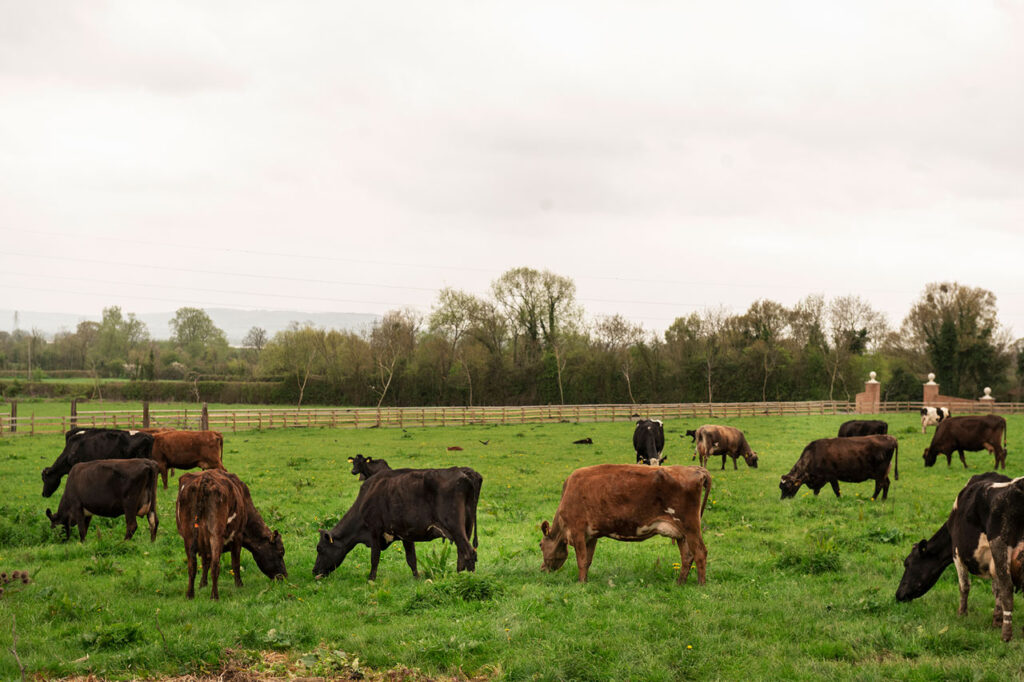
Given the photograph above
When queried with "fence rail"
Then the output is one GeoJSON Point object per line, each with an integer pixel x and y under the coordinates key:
{"type": "Point", "coordinates": [256, 418]}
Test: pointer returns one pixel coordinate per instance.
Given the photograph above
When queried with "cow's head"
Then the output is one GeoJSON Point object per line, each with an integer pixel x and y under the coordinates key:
{"type": "Point", "coordinates": [51, 481]}
{"type": "Point", "coordinates": [329, 555]}
{"type": "Point", "coordinates": [751, 459]}
{"type": "Point", "coordinates": [930, 457]}
{"type": "Point", "coordinates": [553, 549]}
{"type": "Point", "coordinates": [921, 570]}
{"type": "Point", "coordinates": [789, 484]}
{"type": "Point", "coordinates": [359, 466]}
{"type": "Point", "coordinates": [269, 555]}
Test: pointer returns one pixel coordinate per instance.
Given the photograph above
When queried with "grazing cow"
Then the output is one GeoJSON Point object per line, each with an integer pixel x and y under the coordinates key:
{"type": "Point", "coordinates": [187, 449]}
{"type": "Point", "coordinates": [968, 433]}
{"type": "Point", "coordinates": [856, 459]}
{"type": "Point", "coordinates": [715, 440]}
{"type": "Point", "coordinates": [863, 427]}
{"type": "Point", "coordinates": [649, 441]}
{"type": "Point", "coordinates": [364, 467]}
{"type": "Point", "coordinates": [984, 535]}
{"type": "Point", "coordinates": [410, 505]}
{"type": "Point", "coordinates": [632, 503]}
{"type": "Point", "coordinates": [932, 416]}
{"type": "Point", "coordinates": [108, 487]}
{"type": "Point", "coordinates": [215, 511]}
{"type": "Point", "coordinates": [87, 445]}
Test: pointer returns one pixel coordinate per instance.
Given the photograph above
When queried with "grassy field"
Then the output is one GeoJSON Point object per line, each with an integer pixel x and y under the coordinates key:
{"type": "Point", "coordinates": [797, 589]}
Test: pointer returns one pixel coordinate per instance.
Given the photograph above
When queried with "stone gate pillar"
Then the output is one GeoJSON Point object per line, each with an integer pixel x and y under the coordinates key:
{"type": "Point", "coordinates": [869, 402]}
{"type": "Point", "coordinates": [930, 394]}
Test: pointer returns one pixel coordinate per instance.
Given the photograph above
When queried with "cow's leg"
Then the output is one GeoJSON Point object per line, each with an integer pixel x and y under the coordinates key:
{"type": "Point", "coordinates": [725, 456]}
{"type": "Point", "coordinates": [374, 556]}
{"type": "Point", "coordinates": [962, 459]}
{"type": "Point", "coordinates": [835, 486]}
{"type": "Point", "coordinates": [588, 557]}
{"type": "Point", "coordinates": [695, 544]}
{"type": "Point", "coordinates": [216, 549]}
{"type": "Point", "coordinates": [963, 577]}
{"type": "Point", "coordinates": [236, 561]}
{"type": "Point", "coordinates": [949, 458]}
{"type": "Point", "coordinates": [154, 522]}
{"type": "Point", "coordinates": [83, 525]}
{"type": "Point", "coordinates": [734, 464]}
{"type": "Point", "coordinates": [190, 555]}
{"type": "Point", "coordinates": [410, 556]}
{"type": "Point", "coordinates": [997, 610]}
{"type": "Point", "coordinates": [163, 472]}
{"type": "Point", "coordinates": [131, 524]}
{"type": "Point", "coordinates": [1004, 584]}
{"type": "Point", "coordinates": [206, 571]}
{"type": "Point", "coordinates": [685, 560]}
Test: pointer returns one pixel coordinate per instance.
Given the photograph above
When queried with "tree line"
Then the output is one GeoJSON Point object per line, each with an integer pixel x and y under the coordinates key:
{"type": "Point", "coordinates": [529, 341]}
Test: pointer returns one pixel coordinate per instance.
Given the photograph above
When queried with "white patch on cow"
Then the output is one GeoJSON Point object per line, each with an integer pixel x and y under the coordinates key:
{"type": "Point", "coordinates": [144, 509]}
{"type": "Point", "coordinates": [955, 502]}
{"type": "Point", "coordinates": [229, 537]}
{"type": "Point", "coordinates": [983, 555]}
{"type": "Point", "coordinates": [1007, 483]}
{"type": "Point", "coordinates": [657, 421]}
{"type": "Point", "coordinates": [76, 434]}
{"type": "Point", "coordinates": [962, 574]}
{"type": "Point", "coordinates": [388, 537]}
{"type": "Point", "coordinates": [232, 518]}
{"type": "Point", "coordinates": [670, 510]}
{"type": "Point", "coordinates": [616, 536]}
{"type": "Point", "coordinates": [659, 527]}
{"type": "Point", "coordinates": [132, 433]}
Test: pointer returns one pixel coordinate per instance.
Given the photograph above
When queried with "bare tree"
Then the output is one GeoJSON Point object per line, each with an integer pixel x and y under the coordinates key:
{"type": "Point", "coordinates": [618, 336]}
{"type": "Point", "coordinates": [392, 340]}
{"type": "Point", "coordinates": [713, 340]}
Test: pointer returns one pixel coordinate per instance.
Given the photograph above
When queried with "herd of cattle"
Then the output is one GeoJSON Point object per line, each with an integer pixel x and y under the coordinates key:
{"type": "Point", "coordinates": [112, 472]}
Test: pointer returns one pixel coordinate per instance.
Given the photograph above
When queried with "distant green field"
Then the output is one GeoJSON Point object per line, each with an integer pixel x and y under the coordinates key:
{"type": "Point", "coordinates": [48, 407]}
{"type": "Point", "coordinates": [797, 589]}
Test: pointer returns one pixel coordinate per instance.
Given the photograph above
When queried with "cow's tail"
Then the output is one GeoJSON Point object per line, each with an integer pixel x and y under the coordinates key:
{"type": "Point", "coordinates": [707, 492]}
{"type": "Point", "coordinates": [220, 445]}
{"type": "Point", "coordinates": [896, 461]}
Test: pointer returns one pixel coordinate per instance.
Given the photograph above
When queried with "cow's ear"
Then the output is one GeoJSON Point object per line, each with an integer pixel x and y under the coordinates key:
{"type": "Point", "coordinates": [544, 528]}
{"type": "Point", "coordinates": [351, 461]}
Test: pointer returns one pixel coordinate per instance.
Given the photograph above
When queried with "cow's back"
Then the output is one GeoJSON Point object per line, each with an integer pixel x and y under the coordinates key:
{"type": "Point", "coordinates": [853, 459]}
{"type": "Point", "coordinates": [102, 486]}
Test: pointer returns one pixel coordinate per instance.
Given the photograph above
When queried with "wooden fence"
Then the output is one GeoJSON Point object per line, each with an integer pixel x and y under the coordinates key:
{"type": "Point", "coordinates": [256, 418]}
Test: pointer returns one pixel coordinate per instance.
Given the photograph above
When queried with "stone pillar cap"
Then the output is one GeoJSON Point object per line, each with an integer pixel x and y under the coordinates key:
{"type": "Point", "coordinates": [931, 378]}
{"type": "Point", "coordinates": [871, 378]}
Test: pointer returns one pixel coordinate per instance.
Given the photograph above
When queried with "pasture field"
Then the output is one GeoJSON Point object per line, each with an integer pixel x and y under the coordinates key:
{"type": "Point", "coordinates": [797, 589]}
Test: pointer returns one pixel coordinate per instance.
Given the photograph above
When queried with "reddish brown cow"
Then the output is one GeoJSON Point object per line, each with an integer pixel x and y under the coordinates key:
{"type": "Point", "coordinates": [186, 450]}
{"type": "Point", "coordinates": [630, 502]}
{"type": "Point", "coordinates": [216, 511]}
{"type": "Point", "coordinates": [713, 440]}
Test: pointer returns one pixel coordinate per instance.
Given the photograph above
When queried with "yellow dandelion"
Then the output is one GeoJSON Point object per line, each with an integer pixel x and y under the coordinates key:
{"type": "Point", "coordinates": [689, 646]}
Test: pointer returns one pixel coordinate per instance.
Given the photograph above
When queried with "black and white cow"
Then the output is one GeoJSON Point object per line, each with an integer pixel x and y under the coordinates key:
{"type": "Point", "coordinates": [984, 535]}
{"type": "Point", "coordinates": [649, 442]}
{"type": "Point", "coordinates": [931, 416]}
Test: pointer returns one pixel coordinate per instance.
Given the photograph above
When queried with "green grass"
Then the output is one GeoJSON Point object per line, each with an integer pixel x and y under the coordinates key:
{"type": "Point", "coordinates": [797, 589]}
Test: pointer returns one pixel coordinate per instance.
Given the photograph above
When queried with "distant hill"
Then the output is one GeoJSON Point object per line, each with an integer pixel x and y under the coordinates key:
{"type": "Point", "coordinates": [235, 323]}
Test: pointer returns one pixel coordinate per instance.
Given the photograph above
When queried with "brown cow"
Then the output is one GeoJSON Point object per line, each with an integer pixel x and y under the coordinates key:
{"type": "Point", "coordinates": [713, 440]}
{"type": "Point", "coordinates": [215, 510]}
{"type": "Point", "coordinates": [853, 459]}
{"type": "Point", "coordinates": [630, 502]}
{"type": "Point", "coordinates": [187, 449]}
{"type": "Point", "coordinates": [968, 433]}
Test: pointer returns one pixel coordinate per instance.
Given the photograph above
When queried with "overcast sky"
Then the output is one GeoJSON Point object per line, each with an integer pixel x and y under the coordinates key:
{"type": "Point", "coordinates": [357, 157]}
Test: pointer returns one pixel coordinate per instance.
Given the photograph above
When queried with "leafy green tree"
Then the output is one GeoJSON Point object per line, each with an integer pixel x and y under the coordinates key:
{"type": "Point", "coordinates": [294, 352]}
{"type": "Point", "coordinates": [199, 339]}
{"type": "Point", "coordinates": [956, 327]}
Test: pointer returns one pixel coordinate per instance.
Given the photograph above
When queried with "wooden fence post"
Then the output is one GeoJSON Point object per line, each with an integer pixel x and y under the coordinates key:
{"type": "Point", "coordinates": [32, 424]}
{"type": "Point", "coordinates": [204, 419]}
{"type": "Point", "coordinates": [74, 412]}
{"type": "Point", "coordinates": [145, 414]}
{"type": "Point", "coordinates": [14, 417]}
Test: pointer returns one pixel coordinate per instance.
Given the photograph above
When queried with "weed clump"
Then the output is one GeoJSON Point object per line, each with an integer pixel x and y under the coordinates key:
{"type": "Point", "coordinates": [822, 557]}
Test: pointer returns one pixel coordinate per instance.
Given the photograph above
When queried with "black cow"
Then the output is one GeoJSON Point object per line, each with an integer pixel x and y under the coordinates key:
{"type": "Point", "coordinates": [410, 505]}
{"type": "Point", "coordinates": [364, 467]}
{"type": "Point", "coordinates": [692, 433]}
{"type": "Point", "coordinates": [86, 445]}
{"type": "Point", "coordinates": [863, 427]}
{"type": "Point", "coordinates": [968, 433]}
{"type": "Point", "coordinates": [830, 460]}
{"type": "Point", "coordinates": [649, 441]}
{"type": "Point", "coordinates": [109, 487]}
{"type": "Point", "coordinates": [984, 535]}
